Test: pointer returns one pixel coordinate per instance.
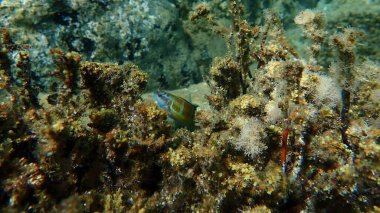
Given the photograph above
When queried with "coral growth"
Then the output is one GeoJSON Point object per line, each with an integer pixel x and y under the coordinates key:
{"type": "Point", "coordinates": [312, 23]}
{"type": "Point", "coordinates": [251, 139]}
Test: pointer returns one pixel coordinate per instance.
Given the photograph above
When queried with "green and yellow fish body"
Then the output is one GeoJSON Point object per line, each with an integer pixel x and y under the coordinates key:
{"type": "Point", "coordinates": [178, 108]}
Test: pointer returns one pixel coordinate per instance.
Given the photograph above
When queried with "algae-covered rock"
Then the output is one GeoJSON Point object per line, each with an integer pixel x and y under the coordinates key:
{"type": "Point", "coordinates": [113, 85]}
{"type": "Point", "coordinates": [103, 120]}
{"type": "Point", "coordinates": [286, 133]}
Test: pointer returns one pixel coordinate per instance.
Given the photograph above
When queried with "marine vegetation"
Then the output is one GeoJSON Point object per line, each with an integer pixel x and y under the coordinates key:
{"type": "Point", "coordinates": [285, 132]}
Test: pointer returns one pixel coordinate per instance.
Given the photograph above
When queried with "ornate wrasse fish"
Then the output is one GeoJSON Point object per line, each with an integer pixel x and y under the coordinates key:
{"type": "Point", "coordinates": [178, 108]}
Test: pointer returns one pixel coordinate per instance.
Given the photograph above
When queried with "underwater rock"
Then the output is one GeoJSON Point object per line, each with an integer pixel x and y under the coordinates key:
{"type": "Point", "coordinates": [103, 120]}
{"type": "Point", "coordinates": [113, 85]}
